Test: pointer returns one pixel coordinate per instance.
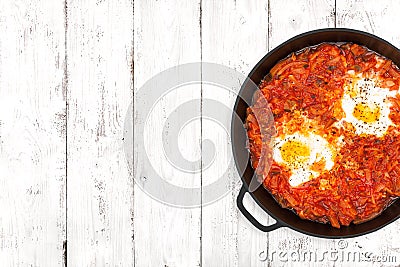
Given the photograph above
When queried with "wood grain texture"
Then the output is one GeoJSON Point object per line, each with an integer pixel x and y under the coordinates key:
{"type": "Point", "coordinates": [234, 34]}
{"type": "Point", "coordinates": [288, 19]}
{"type": "Point", "coordinates": [167, 33]}
{"type": "Point", "coordinates": [100, 189]}
{"type": "Point", "coordinates": [376, 17]}
{"type": "Point", "coordinates": [32, 133]}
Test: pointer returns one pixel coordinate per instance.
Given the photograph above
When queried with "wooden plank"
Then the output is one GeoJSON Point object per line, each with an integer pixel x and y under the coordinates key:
{"type": "Point", "coordinates": [167, 33]}
{"type": "Point", "coordinates": [99, 47]}
{"type": "Point", "coordinates": [234, 34]}
{"type": "Point", "coordinates": [379, 18]}
{"type": "Point", "coordinates": [286, 19]}
{"type": "Point", "coordinates": [32, 133]}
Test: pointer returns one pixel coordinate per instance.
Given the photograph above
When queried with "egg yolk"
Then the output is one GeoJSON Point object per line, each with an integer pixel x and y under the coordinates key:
{"type": "Point", "coordinates": [366, 113]}
{"type": "Point", "coordinates": [295, 153]}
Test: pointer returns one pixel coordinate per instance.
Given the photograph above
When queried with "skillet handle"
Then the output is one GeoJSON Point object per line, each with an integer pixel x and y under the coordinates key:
{"type": "Point", "coordinates": [250, 217]}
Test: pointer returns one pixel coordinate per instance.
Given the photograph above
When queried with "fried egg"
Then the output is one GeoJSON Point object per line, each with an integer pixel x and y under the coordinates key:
{"type": "Point", "coordinates": [366, 105]}
{"type": "Point", "coordinates": [305, 155]}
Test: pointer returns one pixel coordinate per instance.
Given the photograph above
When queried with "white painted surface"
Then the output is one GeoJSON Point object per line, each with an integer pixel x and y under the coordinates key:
{"type": "Point", "coordinates": [167, 33]}
{"type": "Point", "coordinates": [32, 133]}
{"type": "Point", "coordinates": [84, 58]}
{"type": "Point", "coordinates": [99, 89]}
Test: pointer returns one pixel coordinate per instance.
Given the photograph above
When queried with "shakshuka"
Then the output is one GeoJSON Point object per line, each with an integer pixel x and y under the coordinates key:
{"type": "Point", "coordinates": [335, 138]}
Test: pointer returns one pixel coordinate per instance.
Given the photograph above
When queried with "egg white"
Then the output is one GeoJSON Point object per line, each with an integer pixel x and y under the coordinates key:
{"type": "Point", "coordinates": [301, 171]}
{"type": "Point", "coordinates": [367, 91]}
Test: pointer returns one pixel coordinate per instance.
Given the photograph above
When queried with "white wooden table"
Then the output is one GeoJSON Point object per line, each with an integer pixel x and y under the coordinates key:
{"type": "Point", "coordinates": [68, 73]}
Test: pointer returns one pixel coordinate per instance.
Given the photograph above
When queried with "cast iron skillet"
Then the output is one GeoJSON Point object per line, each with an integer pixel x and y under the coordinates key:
{"type": "Point", "coordinates": [285, 217]}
